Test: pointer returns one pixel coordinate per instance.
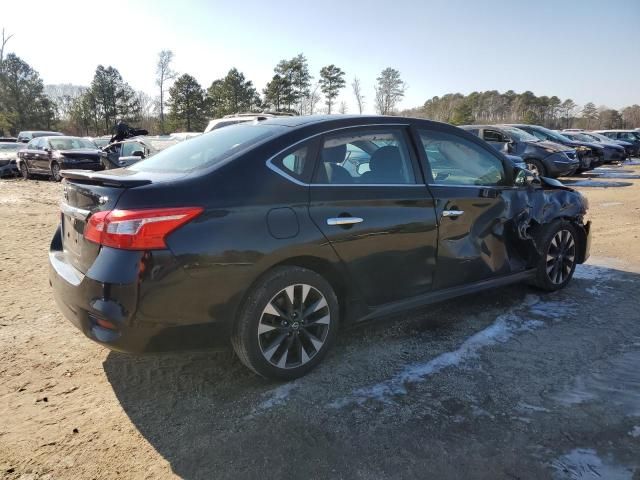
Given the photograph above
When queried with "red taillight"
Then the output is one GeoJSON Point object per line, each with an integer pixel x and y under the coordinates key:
{"type": "Point", "coordinates": [137, 229]}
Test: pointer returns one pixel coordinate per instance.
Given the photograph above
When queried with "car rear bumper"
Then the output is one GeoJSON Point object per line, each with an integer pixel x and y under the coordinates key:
{"type": "Point", "coordinates": [133, 317]}
{"type": "Point", "coordinates": [9, 170]}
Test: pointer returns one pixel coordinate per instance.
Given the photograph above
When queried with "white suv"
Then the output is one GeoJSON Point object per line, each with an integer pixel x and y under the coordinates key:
{"type": "Point", "coordinates": [241, 118]}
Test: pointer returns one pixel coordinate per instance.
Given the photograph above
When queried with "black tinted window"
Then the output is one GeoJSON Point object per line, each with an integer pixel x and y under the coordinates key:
{"type": "Point", "coordinates": [454, 160]}
{"type": "Point", "coordinates": [493, 136]}
{"type": "Point", "coordinates": [367, 156]}
{"type": "Point", "coordinates": [208, 149]}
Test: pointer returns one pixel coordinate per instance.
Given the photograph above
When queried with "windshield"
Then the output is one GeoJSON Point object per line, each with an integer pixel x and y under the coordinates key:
{"type": "Point", "coordinates": [554, 135]}
{"type": "Point", "coordinates": [208, 149]}
{"type": "Point", "coordinates": [582, 137]}
{"type": "Point", "coordinates": [520, 135]}
{"type": "Point", "coordinates": [63, 143]}
{"type": "Point", "coordinates": [9, 147]}
{"type": "Point", "coordinates": [597, 137]}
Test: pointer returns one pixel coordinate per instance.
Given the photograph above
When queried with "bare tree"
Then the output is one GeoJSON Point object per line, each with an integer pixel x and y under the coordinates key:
{"type": "Point", "coordinates": [343, 107]}
{"type": "Point", "coordinates": [5, 38]}
{"type": "Point", "coordinates": [357, 92]}
{"type": "Point", "coordinates": [310, 102]}
{"type": "Point", "coordinates": [164, 74]}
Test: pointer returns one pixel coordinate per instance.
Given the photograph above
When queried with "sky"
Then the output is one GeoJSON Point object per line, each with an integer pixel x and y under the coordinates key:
{"type": "Point", "coordinates": [585, 50]}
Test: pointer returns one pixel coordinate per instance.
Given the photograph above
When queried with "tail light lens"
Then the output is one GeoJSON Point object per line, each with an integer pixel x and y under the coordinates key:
{"type": "Point", "coordinates": [137, 229]}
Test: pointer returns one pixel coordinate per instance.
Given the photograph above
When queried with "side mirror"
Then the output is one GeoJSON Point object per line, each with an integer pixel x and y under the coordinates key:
{"type": "Point", "coordinates": [138, 153]}
{"type": "Point", "coordinates": [48, 150]}
{"type": "Point", "coordinates": [523, 177]}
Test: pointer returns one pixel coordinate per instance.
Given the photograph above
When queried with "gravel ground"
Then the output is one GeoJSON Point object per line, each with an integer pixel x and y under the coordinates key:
{"type": "Point", "coordinates": [509, 383]}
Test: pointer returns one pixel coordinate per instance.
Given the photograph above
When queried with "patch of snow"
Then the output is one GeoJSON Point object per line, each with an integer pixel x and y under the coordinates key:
{"type": "Point", "coordinates": [501, 330]}
{"type": "Point", "coordinates": [275, 397]}
{"type": "Point", "coordinates": [584, 464]}
{"type": "Point", "coordinates": [532, 408]}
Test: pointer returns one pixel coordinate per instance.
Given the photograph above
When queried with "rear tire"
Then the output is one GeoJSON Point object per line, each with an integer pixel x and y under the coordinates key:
{"type": "Point", "coordinates": [559, 243]}
{"type": "Point", "coordinates": [24, 171]}
{"type": "Point", "coordinates": [536, 167]}
{"type": "Point", "coordinates": [287, 323]}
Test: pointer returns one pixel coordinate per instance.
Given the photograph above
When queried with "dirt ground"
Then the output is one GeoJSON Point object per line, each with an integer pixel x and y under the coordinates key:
{"type": "Point", "coordinates": [507, 384]}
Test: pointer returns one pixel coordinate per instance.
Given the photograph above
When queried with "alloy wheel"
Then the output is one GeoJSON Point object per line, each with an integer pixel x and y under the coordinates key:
{"type": "Point", "coordinates": [294, 326]}
{"type": "Point", "coordinates": [533, 168]}
{"type": "Point", "coordinates": [561, 256]}
{"type": "Point", "coordinates": [55, 172]}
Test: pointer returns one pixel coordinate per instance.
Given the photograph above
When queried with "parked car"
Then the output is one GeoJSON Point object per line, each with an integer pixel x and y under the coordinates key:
{"type": "Point", "coordinates": [8, 156]}
{"type": "Point", "coordinates": [49, 155]}
{"type": "Point", "coordinates": [543, 158]}
{"type": "Point", "coordinates": [630, 149]}
{"type": "Point", "coordinates": [591, 155]}
{"type": "Point", "coordinates": [182, 136]}
{"type": "Point", "coordinates": [256, 235]}
{"type": "Point", "coordinates": [8, 139]}
{"type": "Point", "coordinates": [101, 141]}
{"type": "Point", "coordinates": [242, 118]}
{"type": "Point", "coordinates": [610, 152]}
{"type": "Point", "coordinates": [630, 136]}
{"type": "Point", "coordinates": [27, 136]}
{"type": "Point", "coordinates": [132, 150]}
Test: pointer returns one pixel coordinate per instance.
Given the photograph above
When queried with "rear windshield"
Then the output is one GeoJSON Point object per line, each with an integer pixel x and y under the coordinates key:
{"type": "Point", "coordinates": [208, 149]}
{"type": "Point", "coordinates": [9, 147]}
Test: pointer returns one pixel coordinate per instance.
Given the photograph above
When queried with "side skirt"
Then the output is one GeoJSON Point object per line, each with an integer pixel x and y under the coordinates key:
{"type": "Point", "coordinates": [441, 295]}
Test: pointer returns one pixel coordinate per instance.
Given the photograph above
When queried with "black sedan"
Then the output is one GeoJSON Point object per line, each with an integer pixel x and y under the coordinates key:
{"type": "Point", "coordinates": [49, 155]}
{"type": "Point", "coordinates": [8, 157]}
{"type": "Point", "coordinates": [544, 158]}
{"type": "Point", "coordinates": [630, 149]}
{"type": "Point", "coordinates": [590, 154]}
{"type": "Point", "coordinates": [610, 152]}
{"type": "Point", "coordinates": [265, 237]}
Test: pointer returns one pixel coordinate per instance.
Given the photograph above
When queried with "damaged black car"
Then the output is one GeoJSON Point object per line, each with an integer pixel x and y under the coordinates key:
{"type": "Point", "coordinates": [268, 236]}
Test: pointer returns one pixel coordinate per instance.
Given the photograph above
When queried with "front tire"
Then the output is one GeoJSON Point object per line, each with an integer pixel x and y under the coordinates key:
{"type": "Point", "coordinates": [55, 172]}
{"type": "Point", "coordinates": [24, 171]}
{"type": "Point", "coordinates": [536, 166]}
{"type": "Point", "coordinates": [559, 251]}
{"type": "Point", "coordinates": [287, 324]}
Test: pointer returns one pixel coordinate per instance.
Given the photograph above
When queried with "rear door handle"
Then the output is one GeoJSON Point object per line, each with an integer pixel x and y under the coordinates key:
{"type": "Point", "coordinates": [344, 220]}
{"type": "Point", "coordinates": [452, 213]}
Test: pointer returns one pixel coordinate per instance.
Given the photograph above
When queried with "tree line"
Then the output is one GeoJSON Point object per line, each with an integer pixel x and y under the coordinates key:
{"type": "Point", "coordinates": [183, 104]}
{"type": "Point", "coordinates": [510, 107]}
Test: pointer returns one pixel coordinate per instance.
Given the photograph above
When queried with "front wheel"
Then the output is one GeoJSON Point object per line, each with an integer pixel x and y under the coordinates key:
{"type": "Point", "coordinates": [557, 261]}
{"type": "Point", "coordinates": [24, 171]}
{"type": "Point", "coordinates": [536, 167]}
{"type": "Point", "coordinates": [55, 172]}
{"type": "Point", "coordinates": [287, 324]}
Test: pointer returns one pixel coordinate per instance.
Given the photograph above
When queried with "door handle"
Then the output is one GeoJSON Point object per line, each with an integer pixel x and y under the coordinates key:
{"type": "Point", "coordinates": [344, 220]}
{"type": "Point", "coordinates": [452, 213]}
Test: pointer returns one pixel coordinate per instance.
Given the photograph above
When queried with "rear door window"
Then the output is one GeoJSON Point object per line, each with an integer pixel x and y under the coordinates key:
{"type": "Point", "coordinates": [368, 156]}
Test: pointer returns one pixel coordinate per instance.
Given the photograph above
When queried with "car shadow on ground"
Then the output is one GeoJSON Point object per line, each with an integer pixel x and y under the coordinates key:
{"type": "Point", "coordinates": [209, 416]}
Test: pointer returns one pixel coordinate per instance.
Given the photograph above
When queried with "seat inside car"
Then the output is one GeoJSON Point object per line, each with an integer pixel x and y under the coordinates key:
{"type": "Point", "coordinates": [385, 166]}
{"type": "Point", "coordinates": [332, 157]}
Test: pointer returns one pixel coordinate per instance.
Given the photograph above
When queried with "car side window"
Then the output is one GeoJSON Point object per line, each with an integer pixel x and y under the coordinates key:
{"type": "Point", "coordinates": [32, 144]}
{"type": "Point", "coordinates": [298, 162]}
{"type": "Point", "coordinates": [365, 156]}
{"type": "Point", "coordinates": [454, 160]}
{"type": "Point", "coordinates": [493, 136]}
{"type": "Point", "coordinates": [130, 147]}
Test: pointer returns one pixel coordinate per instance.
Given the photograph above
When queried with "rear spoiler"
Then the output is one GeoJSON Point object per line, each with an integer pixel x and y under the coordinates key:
{"type": "Point", "coordinates": [101, 178]}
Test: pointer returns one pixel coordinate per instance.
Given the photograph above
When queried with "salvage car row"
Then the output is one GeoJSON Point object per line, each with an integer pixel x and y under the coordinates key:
{"type": "Point", "coordinates": [545, 152]}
